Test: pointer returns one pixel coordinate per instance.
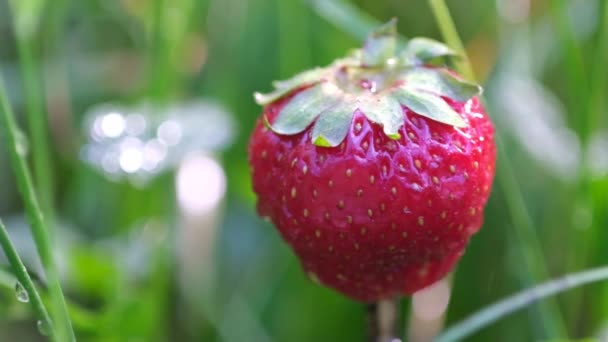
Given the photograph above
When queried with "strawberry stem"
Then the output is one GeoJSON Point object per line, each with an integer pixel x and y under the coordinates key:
{"type": "Point", "coordinates": [382, 320]}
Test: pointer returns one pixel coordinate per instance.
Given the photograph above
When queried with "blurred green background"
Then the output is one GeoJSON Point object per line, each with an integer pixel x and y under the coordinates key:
{"type": "Point", "coordinates": [148, 107]}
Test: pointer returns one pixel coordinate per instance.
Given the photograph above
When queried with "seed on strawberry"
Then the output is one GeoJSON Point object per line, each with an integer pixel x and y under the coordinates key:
{"type": "Point", "coordinates": [375, 169]}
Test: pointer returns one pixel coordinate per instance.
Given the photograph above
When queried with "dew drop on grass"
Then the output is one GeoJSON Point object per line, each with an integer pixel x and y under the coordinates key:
{"type": "Point", "coordinates": [43, 328]}
{"type": "Point", "coordinates": [21, 144]}
{"type": "Point", "coordinates": [21, 294]}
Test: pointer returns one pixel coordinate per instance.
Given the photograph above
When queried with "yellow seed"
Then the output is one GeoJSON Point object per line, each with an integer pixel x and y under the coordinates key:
{"type": "Point", "coordinates": [372, 179]}
{"type": "Point", "coordinates": [330, 249]}
{"type": "Point", "coordinates": [264, 153]}
{"type": "Point", "coordinates": [349, 219]}
{"type": "Point", "coordinates": [473, 211]}
{"type": "Point", "coordinates": [393, 225]}
{"type": "Point", "coordinates": [356, 246]}
{"type": "Point", "coordinates": [358, 127]}
{"type": "Point", "coordinates": [363, 231]}
{"type": "Point", "coordinates": [330, 183]}
{"type": "Point", "coordinates": [315, 193]}
{"type": "Point", "coordinates": [391, 248]}
{"type": "Point", "coordinates": [365, 145]}
{"type": "Point", "coordinates": [359, 192]}
{"type": "Point", "coordinates": [293, 162]}
{"type": "Point", "coordinates": [435, 180]}
{"type": "Point", "coordinates": [443, 215]}
{"type": "Point", "coordinates": [305, 212]}
{"type": "Point", "coordinates": [327, 216]}
{"type": "Point", "coordinates": [452, 168]}
{"type": "Point", "coordinates": [420, 220]}
{"type": "Point", "coordinates": [318, 233]}
{"type": "Point", "coordinates": [349, 172]}
{"type": "Point", "coordinates": [417, 163]}
{"type": "Point", "coordinates": [340, 276]}
{"type": "Point", "coordinates": [475, 164]}
{"type": "Point", "coordinates": [382, 206]}
{"type": "Point", "coordinates": [293, 192]}
{"type": "Point", "coordinates": [394, 190]}
{"type": "Point", "coordinates": [370, 213]}
{"type": "Point", "coordinates": [341, 204]}
{"type": "Point", "coordinates": [411, 135]}
{"type": "Point", "coordinates": [304, 169]}
{"type": "Point", "coordinates": [404, 234]}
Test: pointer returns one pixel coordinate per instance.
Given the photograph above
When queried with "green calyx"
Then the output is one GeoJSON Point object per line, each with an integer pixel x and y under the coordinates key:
{"type": "Point", "coordinates": [377, 80]}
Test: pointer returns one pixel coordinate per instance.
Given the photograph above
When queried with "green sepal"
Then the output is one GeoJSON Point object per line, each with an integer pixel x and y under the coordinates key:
{"type": "Point", "coordinates": [304, 108]}
{"type": "Point", "coordinates": [380, 46]}
{"type": "Point", "coordinates": [428, 105]}
{"type": "Point", "coordinates": [333, 124]}
{"type": "Point", "coordinates": [424, 50]}
{"type": "Point", "coordinates": [282, 88]}
{"type": "Point", "coordinates": [440, 82]}
{"type": "Point", "coordinates": [384, 110]}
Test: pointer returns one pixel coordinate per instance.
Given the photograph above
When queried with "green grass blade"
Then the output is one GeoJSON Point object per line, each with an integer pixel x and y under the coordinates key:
{"type": "Point", "coordinates": [8, 128]}
{"type": "Point", "coordinates": [24, 278]}
{"type": "Point", "coordinates": [552, 318]}
{"type": "Point", "coordinates": [519, 301]}
{"type": "Point", "coordinates": [450, 34]}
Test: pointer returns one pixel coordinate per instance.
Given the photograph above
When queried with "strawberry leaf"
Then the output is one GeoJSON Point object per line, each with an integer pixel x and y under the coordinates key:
{"type": "Point", "coordinates": [381, 45]}
{"type": "Point", "coordinates": [440, 82]}
{"type": "Point", "coordinates": [333, 124]}
{"type": "Point", "coordinates": [384, 110]}
{"type": "Point", "coordinates": [420, 51]}
{"type": "Point", "coordinates": [283, 87]}
{"type": "Point", "coordinates": [304, 108]}
{"type": "Point", "coordinates": [428, 105]}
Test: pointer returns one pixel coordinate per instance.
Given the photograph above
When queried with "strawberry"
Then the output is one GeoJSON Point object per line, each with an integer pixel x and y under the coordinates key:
{"type": "Point", "coordinates": [375, 169]}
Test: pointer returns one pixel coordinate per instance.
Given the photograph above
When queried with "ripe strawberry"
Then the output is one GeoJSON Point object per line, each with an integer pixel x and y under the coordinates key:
{"type": "Point", "coordinates": [375, 169]}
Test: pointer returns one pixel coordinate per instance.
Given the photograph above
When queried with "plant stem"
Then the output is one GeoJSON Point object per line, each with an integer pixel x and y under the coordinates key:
{"type": "Point", "coordinates": [450, 34]}
{"type": "Point", "coordinates": [518, 301]}
{"type": "Point", "coordinates": [37, 123]}
{"type": "Point", "coordinates": [16, 149]}
{"type": "Point", "coordinates": [159, 63]}
{"type": "Point", "coordinates": [599, 78]}
{"type": "Point", "coordinates": [532, 254]}
{"type": "Point", "coordinates": [577, 82]}
{"type": "Point", "coordinates": [24, 278]}
{"type": "Point", "coordinates": [382, 320]}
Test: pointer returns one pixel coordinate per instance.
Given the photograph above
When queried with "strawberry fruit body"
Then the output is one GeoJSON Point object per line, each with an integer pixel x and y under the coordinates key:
{"type": "Point", "coordinates": [375, 169]}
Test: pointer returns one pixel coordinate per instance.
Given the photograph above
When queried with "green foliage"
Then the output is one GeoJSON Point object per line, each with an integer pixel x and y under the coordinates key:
{"type": "Point", "coordinates": [121, 249]}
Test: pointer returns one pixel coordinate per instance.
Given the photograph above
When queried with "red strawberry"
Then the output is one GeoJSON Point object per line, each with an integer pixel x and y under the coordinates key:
{"type": "Point", "coordinates": [375, 169]}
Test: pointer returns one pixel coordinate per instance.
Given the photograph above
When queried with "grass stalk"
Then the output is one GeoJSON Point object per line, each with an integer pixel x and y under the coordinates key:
{"type": "Point", "coordinates": [450, 34]}
{"type": "Point", "coordinates": [577, 82]}
{"type": "Point", "coordinates": [17, 151]}
{"type": "Point", "coordinates": [37, 121]}
{"type": "Point", "coordinates": [505, 178]}
{"type": "Point", "coordinates": [519, 301]}
{"type": "Point", "coordinates": [26, 281]}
